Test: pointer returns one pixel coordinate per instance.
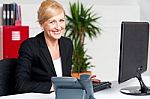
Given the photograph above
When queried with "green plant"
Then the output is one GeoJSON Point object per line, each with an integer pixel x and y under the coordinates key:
{"type": "Point", "coordinates": [80, 59]}
{"type": "Point", "coordinates": [82, 23]}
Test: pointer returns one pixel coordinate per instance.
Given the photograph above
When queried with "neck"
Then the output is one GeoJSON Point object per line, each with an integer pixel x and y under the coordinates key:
{"type": "Point", "coordinates": [51, 43]}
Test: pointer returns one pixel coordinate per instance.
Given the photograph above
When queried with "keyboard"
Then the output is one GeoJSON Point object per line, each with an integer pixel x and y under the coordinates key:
{"type": "Point", "coordinates": [101, 86]}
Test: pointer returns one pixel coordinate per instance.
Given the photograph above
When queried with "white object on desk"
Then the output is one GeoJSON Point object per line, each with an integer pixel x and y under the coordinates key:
{"type": "Point", "coordinates": [30, 96]}
{"type": "Point", "coordinates": [110, 93]}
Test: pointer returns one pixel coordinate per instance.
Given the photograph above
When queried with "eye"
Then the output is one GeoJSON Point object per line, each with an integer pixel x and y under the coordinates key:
{"type": "Point", "coordinates": [52, 22]}
{"type": "Point", "coordinates": [62, 20]}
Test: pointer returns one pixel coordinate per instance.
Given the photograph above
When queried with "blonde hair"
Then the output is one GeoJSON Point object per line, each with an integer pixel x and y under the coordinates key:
{"type": "Point", "coordinates": [48, 9]}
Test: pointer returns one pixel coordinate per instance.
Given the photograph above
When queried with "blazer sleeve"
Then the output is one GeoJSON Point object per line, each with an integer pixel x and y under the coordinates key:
{"type": "Point", "coordinates": [24, 83]}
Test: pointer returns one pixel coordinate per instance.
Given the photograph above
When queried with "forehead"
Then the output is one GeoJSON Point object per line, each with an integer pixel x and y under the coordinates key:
{"type": "Point", "coordinates": [52, 11]}
{"type": "Point", "coordinates": [58, 16]}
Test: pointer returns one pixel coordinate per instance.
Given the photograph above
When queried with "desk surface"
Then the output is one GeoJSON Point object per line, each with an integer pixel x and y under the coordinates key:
{"type": "Point", "coordinates": [111, 93]}
{"type": "Point", "coordinates": [114, 92]}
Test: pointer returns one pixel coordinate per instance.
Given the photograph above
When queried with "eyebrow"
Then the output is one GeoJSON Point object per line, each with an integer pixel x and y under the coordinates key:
{"type": "Point", "coordinates": [55, 19]}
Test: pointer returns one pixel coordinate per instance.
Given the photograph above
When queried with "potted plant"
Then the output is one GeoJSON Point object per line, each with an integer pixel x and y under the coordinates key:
{"type": "Point", "coordinates": [82, 23]}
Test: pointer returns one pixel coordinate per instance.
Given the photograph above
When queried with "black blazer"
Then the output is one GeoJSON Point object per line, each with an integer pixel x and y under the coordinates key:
{"type": "Point", "coordinates": [35, 67]}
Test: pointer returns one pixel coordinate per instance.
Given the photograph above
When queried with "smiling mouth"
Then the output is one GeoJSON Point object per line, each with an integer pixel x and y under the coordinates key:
{"type": "Point", "coordinates": [57, 33]}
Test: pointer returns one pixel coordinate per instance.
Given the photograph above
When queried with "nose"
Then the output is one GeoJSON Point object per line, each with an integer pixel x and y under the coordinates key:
{"type": "Point", "coordinates": [58, 26]}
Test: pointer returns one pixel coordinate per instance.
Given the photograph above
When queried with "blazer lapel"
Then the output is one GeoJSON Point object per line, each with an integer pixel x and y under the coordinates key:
{"type": "Point", "coordinates": [46, 55]}
{"type": "Point", "coordinates": [62, 54]}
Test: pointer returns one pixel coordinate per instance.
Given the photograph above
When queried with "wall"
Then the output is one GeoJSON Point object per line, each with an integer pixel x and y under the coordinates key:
{"type": "Point", "coordinates": [105, 48]}
{"type": "Point", "coordinates": [145, 16]}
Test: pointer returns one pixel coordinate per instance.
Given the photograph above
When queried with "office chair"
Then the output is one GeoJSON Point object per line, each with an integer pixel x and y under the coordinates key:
{"type": "Point", "coordinates": [7, 76]}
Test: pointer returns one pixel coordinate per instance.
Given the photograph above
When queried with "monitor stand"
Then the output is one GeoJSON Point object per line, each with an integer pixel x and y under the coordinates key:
{"type": "Point", "coordinates": [137, 90]}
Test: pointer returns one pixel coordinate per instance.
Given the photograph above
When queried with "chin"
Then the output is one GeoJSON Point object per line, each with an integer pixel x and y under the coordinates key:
{"type": "Point", "coordinates": [57, 37]}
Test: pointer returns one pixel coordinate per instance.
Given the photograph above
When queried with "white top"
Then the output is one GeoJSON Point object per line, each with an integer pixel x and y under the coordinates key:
{"type": "Point", "coordinates": [58, 67]}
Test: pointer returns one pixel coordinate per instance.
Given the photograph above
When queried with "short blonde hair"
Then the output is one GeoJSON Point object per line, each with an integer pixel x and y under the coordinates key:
{"type": "Point", "coordinates": [48, 9]}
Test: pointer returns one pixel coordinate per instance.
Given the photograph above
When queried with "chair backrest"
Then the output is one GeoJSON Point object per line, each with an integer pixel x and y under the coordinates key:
{"type": "Point", "coordinates": [7, 76]}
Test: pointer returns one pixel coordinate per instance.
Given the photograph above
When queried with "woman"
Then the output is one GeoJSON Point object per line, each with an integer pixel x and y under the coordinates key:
{"type": "Point", "coordinates": [46, 55]}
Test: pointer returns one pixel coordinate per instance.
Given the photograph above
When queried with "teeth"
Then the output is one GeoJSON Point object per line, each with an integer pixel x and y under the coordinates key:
{"type": "Point", "coordinates": [57, 33]}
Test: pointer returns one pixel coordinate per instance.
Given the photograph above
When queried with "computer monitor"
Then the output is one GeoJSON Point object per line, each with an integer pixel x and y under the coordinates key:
{"type": "Point", "coordinates": [133, 55]}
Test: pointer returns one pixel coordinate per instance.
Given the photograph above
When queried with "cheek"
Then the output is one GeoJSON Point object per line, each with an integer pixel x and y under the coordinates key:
{"type": "Point", "coordinates": [47, 27]}
{"type": "Point", "coordinates": [63, 26]}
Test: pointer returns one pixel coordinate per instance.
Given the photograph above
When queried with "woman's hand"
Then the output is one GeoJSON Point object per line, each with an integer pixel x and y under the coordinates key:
{"type": "Point", "coordinates": [94, 80]}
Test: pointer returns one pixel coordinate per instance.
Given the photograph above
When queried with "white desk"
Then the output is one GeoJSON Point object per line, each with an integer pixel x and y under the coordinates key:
{"type": "Point", "coordinates": [114, 92]}
{"type": "Point", "coordinates": [111, 93]}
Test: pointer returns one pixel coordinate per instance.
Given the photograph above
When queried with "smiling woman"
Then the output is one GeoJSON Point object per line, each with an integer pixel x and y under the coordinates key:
{"type": "Point", "coordinates": [54, 27]}
{"type": "Point", "coordinates": [46, 55]}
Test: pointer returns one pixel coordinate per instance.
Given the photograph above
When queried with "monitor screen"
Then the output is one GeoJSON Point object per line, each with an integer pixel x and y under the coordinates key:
{"type": "Point", "coordinates": [133, 54]}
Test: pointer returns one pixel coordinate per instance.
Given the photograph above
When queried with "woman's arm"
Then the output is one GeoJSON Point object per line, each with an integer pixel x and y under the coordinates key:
{"type": "Point", "coordinates": [24, 83]}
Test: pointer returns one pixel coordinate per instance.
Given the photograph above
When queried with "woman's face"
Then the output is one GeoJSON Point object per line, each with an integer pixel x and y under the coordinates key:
{"type": "Point", "coordinates": [54, 27]}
